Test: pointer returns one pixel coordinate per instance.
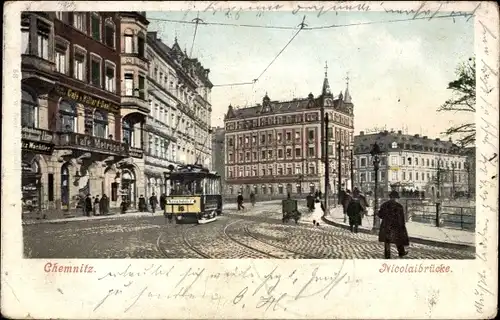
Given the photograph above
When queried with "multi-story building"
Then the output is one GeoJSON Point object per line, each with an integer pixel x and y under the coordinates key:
{"type": "Point", "coordinates": [135, 107]}
{"type": "Point", "coordinates": [177, 129]}
{"type": "Point", "coordinates": [411, 163]}
{"type": "Point", "coordinates": [277, 147]}
{"type": "Point", "coordinates": [71, 131]}
{"type": "Point", "coordinates": [218, 153]}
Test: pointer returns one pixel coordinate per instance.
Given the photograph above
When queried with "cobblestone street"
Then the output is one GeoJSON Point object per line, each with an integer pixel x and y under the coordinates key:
{"type": "Point", "coordinates": [253, 233]}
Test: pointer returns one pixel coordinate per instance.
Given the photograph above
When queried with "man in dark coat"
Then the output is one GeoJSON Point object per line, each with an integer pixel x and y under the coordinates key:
{"type": "Point", "coordinates": [239, 200]}
{"type": "Point", "coordinates": [163, 202]}
{"type": "Point", "coordinates": [355, 210]}
{"type": "Point", "coordinates": [344, 201]}
{"type": "Point", "coordinates": [142, 204]}
{"type": "Point", "coordinates": [153, 201]}
{"type": "Point", "coordinates": [104, 205]}
{"type": "Point", "coordinates": [88, 205]}
{"type": "Point", "coordinates": [393, 228]}
{"type": "Point", "coordinates": [310, 202]}
{"type": "Point", "coordinates": [252, 199]}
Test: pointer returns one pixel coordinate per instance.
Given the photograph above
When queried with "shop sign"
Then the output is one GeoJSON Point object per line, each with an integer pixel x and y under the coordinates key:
{"type": "Point", "coordinates": [34, 134]}
{"type": "Point", "coordinates": [94, 143]}
{"type": "Point", "coordinates": [39, 147]}
{"type": "Point", "coordinates": [135, 153]}
{"type": "Point", "coordinates": [87, 99]}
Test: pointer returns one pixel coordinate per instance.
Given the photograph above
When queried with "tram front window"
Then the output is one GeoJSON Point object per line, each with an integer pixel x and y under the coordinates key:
{"type": "Point", "coordinates": [186, 186]}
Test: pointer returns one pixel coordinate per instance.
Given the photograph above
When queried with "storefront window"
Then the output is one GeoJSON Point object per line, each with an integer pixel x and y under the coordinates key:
{"type": "Point", "coordinates": [68, 116]}
{"type": "Point", "coordinates": [29, 110]}
{"type": "Point", "coordinates": [100, 124]}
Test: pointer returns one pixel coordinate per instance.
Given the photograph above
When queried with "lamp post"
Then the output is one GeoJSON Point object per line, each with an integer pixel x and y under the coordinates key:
{"type": "Point", "coordinates": [376, 162]}
{"type": "Point", "coordinates": [339, 173]}
{"type": "Point", "coordinates": [467, 167]}
{"type": "Point", "coordinates": [327, 163]}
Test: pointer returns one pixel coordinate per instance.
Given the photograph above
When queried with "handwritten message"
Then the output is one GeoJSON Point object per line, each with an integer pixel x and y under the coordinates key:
{"type": "Point", "coordinates": [487, 162]}
{"type": "Point", "coordinates": [241, 287]}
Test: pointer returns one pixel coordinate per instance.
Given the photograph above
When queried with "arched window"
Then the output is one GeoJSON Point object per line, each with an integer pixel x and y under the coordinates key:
{"type": "Point", "coordinates": [128, 132]}
{"type": "Point", "coordinates": [109, 33]}
{"type": "Point", "coordinates": [100, 124]}
{"type": "Point", "coordinates": [29, 110]}
{"type": "Point", "coordinates": [68, 115]}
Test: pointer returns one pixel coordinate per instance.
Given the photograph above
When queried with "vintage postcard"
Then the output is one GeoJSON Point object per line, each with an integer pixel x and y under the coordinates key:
{"type": "Point", "coordinates": [263, 160]}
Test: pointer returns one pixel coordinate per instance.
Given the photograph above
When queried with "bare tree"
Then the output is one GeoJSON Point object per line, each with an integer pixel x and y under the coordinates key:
{"type": "Point", "coordinates": [463, 100]}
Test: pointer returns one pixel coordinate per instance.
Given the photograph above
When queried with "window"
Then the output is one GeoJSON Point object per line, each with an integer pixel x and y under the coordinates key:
{"type": "Point", "coordinates": [311, 151]}
{"type": "Point", "coordinates": [311, 135]}
{"type": "Point", "coordinates": [263, 155]}
{"type": "Point", "coordinates": [297, 136]}
{"type": "Point", "coordinates": [312, 169]}
{"type": "Point", "coordinates": [280, 171]}
{"type": "Point", "coordinates": [79, 70]}
{"type": "Point", "coordinates": [288, 136]}
{"type": "Point", "coordinates": [109, 33]}
{"type": "Point", "coordinates": [25, 36]}
{"type": "Point", "coordinates": [128, 43]}
{"type": "Point", "coordinates": [110, 83]}
{"type": "Point", "coordinates": [280, 153]}
{"type": "Point", "coordinates": [29, 110]}
{"type": "Point", "coordinates": [395, 175]}
{"type": "Point", "coordinates": [100, 124]}
{"type": "Point", "coordinates": [61, 51]}
{"type": "Point", "coordinates": [330, 149]}
{"type": "Point", "coordinates": [297, 152]}
{"type": "Point", "coordinates": [129, 84]}
{"type": "Point", "coordinates": [289, 171]}
{"type": "Point", "coordinates": [95, 22]}
{"type": "Point", "coordinates": [79, 22]}
{"type": "Point", "coordinates": [394, 160]}
{"type": "Point", "coordinates": [95, 69]}
{"type": "Point", "coordinates": [142, 90]}
{"type": "Point", "coordinates": [288, 153]}
{"type": "Point", "coordinates": [279, 136]}
{"type": "Point", "coordinates": [43, 31]}
{"type": "Point", "coordinates": [140, 45]}
{"type": "Point", "coordinates": [404, 175]}
{"type": "Point", "coordinates": [363, 162]}
{"type": "Point", "coordinates": [128, 132]}
{"type": "Point", "coordinates": [68, 116]}
{"type": "Point", "coordinates": [157, 145]}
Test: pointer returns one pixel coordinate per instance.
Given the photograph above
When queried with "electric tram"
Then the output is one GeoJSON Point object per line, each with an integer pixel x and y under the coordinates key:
{"type": "Point", "coordinates": [195, 194]}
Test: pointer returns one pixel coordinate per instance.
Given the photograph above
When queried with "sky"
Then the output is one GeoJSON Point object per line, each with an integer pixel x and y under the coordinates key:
{"type": "Point", "coordinates": [398, 71]}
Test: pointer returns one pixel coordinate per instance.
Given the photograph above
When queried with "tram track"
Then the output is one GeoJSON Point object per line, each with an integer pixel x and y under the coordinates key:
{"type": "Point", "coordinates": [190, 246]}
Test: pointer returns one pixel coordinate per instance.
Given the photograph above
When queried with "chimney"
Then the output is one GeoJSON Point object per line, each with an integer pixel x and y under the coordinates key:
{"type": "Point", "coordinates": [425, 137]}
{"type": "Point", "coordinates": [449, 139]}
{"type": "Point", "coordinates": [400, 132]}
{"type": "Point", "coordinates": [416, 136]}
{"type": "Point", "coordinates": [437, 139]}
{"type": "Point", "coordinates": [361, 133]}
{"type": "Point", "coordinates": [386, 132]}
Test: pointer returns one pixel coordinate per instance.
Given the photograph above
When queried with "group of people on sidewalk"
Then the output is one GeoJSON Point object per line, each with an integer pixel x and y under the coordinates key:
{"type": "Point", "coordinates": [95, 206]}
{"type": "Point", "coordinates": [239, 200]}
{"type": "Point", "coordinates": [393, 226]}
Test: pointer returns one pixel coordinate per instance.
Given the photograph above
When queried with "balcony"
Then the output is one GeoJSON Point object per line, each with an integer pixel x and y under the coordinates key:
{"type": "Point", "coordinates": [133, 59]}
{"type": "Point", "coordinates": [135, 103]}
{"type": "Point", "coordinates": [37, 65]}
{"type": "Point", "coordinates": [77, 141]}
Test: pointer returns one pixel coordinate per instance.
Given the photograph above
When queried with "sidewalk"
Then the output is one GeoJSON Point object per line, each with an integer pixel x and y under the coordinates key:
{"type": "Point", "coordinates": [128, 214]}
{"type": "Point", "coordinates": [418, 232]}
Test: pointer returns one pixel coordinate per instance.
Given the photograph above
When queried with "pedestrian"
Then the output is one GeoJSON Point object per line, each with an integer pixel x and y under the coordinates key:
{"type": "Point", "coordinates": [393, 228]}
{"type": "Point", "coordinates": [163, 202]}
{"type": "Point", "coordinates": [345, 199]}
{"type": "Point", "coordinates": [355, 210]}
{"type": "Point", "coordinates": [153, 201]}
{"type": "Point", "coordinates": [239, 200]}
{"type": "Point", "coordinates": [97, 205]}
{"type": "Point", "coordinates": [318, 213]}
{"type": "Point", "coordinates": [252, 199]}
{"type": "Point", "coordinates": [142, 204]}
{"type": "Point", "coordinates": [310, 202]}
{"type": "Point", "coordinates": [124, 205]}
{"type": "Point", "coordinates": [87, 205]}
{"type": "Point", "coordinates": [104, 205]}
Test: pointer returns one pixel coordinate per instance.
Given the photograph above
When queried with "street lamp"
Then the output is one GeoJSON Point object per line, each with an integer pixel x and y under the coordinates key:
{"type": "Point", "coordinates": [376, 162]}
{"type": "Point", "coordinates": [467, 167]}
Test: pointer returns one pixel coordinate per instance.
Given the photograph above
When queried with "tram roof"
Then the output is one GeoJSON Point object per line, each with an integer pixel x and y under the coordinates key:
{"type": "Point", "coordinates": [191, 170]}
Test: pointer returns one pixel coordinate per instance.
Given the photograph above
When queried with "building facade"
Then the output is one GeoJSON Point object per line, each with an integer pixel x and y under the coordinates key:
{"type": "Point", "coordinates": [134, 102]}
{"type": "Point", "coordinates": [176, 130]}
{"type": "Point", "coordinates": [218, 153]}
{"type": "Point", "coordinates": [410, 163]}
{"type": "Point", "coordinates": [71, 128]}
{"type": "Point", "coordinates": [277, 147]}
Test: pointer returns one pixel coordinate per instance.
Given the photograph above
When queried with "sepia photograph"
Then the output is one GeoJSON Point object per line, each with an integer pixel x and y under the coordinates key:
{"type": "Point", "coordinates": [357, 141]}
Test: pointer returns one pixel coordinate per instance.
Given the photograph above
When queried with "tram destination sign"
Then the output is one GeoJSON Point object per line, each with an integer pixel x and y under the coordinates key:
{"type": "Point", "coordinates": [180, 201]}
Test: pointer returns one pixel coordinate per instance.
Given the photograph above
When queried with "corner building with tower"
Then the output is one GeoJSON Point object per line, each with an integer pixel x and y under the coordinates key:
{"type": "Point", "coordinates": [279, 146]}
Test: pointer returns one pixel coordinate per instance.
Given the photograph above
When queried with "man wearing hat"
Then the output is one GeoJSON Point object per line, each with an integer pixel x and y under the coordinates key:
{"type": "Point", "coordinates": [392, 228]}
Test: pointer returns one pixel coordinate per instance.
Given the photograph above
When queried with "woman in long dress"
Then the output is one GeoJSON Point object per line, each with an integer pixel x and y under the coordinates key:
{"type": "Point", "coordinates": [317, 213]}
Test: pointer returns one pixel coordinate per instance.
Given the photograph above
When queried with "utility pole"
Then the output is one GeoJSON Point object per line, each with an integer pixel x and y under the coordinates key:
{"type": "Point", "coordinates": [339, 174]}
{"type": "Point", "coordinates": [327, 162]}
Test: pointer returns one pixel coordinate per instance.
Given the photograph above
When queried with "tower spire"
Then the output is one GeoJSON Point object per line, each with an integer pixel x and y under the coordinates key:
{"type": "Point", "coordinates": [326, 85]}
{"type": "Point", "coordinates": [347, 96]}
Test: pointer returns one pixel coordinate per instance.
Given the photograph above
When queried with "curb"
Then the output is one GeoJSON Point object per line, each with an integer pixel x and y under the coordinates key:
{"type": "Point", "coordinates": [429, 242]}
{"type": "Point", "coordinates": [70, 220]}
